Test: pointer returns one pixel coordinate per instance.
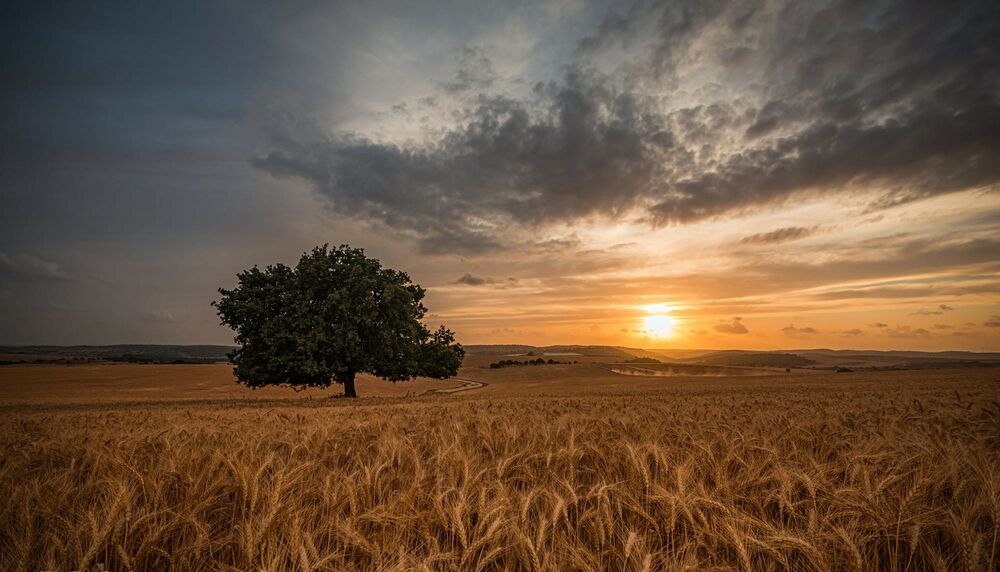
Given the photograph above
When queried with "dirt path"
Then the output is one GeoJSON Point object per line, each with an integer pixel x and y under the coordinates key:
{"type": "Point", "coordinates": [467, 384]}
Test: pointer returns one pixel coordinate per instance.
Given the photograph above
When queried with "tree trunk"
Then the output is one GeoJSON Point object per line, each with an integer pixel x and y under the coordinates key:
{"type": "Point", "coordinates": [349, 385]}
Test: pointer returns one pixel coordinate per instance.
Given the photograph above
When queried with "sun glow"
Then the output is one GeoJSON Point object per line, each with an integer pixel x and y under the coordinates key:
{"type": "Point", "coordinates": [659, 325]}
{"type": "Point", "coordinates": [657, 308]}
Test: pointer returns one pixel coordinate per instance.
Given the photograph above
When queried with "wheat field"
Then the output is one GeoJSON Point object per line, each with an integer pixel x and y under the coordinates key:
{"type": "Point", "coordinates": [881, 474]}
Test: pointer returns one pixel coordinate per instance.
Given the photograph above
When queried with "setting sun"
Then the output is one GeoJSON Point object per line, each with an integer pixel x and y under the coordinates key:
{"type": "Point", "coordinates": [659, 326]}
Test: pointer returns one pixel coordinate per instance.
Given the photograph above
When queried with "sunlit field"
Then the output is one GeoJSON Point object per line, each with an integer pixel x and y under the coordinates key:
{"type": "Point", "coordinates": [859, 471]}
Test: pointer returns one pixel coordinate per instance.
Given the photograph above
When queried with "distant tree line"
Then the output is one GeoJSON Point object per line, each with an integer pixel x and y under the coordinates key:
{"type": "Point", "coordinates": [154, 360]}
{"type": "Point", "coordinates": [140, 359]}
{"type": "Point", "coordinates": [642, 360]}
{"type": "Point", "coordinates": [538, 361]}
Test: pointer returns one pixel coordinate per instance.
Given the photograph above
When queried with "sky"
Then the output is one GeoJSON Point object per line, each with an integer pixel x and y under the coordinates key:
{"type": "Point", "coordinates": [666, 174]}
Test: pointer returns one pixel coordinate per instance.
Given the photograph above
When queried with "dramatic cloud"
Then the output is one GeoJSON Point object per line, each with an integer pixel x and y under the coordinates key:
{"type": "Point", "coordinates": [823, 162]}
{"type": "Point", "coordinates": [780, 235]}
{"type": "Point", "coordinates": [734, 327]}
{"type": "Point", "coordinates": [26, 266]}
{"type": "Point", "coordinates": [835, 96]}
{"type": "Point", "coordinates": [590, 150]}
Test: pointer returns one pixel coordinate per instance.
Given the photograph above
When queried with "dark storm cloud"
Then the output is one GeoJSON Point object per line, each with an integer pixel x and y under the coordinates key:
{"type": "Point", "coordinates": [858, 93]}
{"type": "Point", "coordinates": [827, 155]}
{"type": "Point", "coordinates": [855, 96]}
{"type": "Point", "coordinates": [780, 235]}
{"type": "Point", "coordinates": [504, 164]}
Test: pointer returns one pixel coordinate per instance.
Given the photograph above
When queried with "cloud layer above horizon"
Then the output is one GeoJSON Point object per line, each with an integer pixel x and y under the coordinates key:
{"type": "Point", "coordinates": [779, 173]}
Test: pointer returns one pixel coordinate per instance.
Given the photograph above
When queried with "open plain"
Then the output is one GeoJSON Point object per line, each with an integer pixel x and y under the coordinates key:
{"type": "Point", "coordinates": [555, 467]}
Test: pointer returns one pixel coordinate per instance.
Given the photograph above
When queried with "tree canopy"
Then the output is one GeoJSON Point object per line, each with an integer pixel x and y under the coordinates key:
{"type": "Point", "coordinates": [336, 314]}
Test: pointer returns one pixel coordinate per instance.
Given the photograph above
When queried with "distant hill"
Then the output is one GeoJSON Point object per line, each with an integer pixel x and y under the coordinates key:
{"type": "Point", "coordinates": [518, 349]}
{"type": "Point", "coordinates": [501, 349]}
{"type": "Point", "coordinates": [829, 359]}
{"type": "Point", "coordinates": [681, 354]}
{"type": "Point", "coordinates": [622, 352]}
{"type": "Point", "coordinates": [907, 354]}
{"type": "Point", "coordinates": [898, 359]}
{"type": "Point", "coordinates": [752, 359]}
{"type": "Point", "coordinates": [133, 353]}
{"type": "Point", "coordinates": [812, 358]}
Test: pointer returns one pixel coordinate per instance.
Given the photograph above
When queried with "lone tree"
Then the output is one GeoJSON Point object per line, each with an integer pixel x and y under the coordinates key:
{"type": "Point", "coordinates": [338, 313]}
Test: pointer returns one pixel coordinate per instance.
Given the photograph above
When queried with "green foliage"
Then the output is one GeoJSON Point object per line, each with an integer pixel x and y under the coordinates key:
{"type": "Point", "coordinates": [336, 314]}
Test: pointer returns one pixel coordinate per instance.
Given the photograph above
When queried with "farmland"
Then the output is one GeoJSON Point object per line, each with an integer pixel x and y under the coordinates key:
{"type": "Point", "coordinates": [545, 468]}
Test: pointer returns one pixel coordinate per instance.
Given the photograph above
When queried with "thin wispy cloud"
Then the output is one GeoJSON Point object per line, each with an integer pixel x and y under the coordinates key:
{"type": "Point", "coordinates": [27, 266]}
{"type": "Point", "coordinates": [780, 235]}
{"type": "Point", "coordinates": [941, 309]}
{"type": "Point", "coordinates": [793, 331]}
